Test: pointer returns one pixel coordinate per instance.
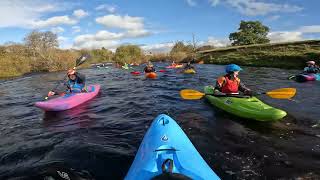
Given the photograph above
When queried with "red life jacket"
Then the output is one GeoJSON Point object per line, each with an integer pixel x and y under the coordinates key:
{"type": "Point", "coordinates": [230, 86]}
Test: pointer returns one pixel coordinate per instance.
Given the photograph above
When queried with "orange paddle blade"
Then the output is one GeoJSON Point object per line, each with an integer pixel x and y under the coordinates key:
{"type": "Point", "coordinates": [283, 93]}
{"type": "Point", "coordinates": [191, 94]}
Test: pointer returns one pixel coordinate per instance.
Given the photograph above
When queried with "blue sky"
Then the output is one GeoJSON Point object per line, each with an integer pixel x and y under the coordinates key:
{"type": "Point", "coordinates": [155, 25]}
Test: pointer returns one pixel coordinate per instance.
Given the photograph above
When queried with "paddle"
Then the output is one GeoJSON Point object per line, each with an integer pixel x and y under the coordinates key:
{"type": "Point", "coordinates": [283, 93]}
{"type": "Point", "coordinates": [79, 61]}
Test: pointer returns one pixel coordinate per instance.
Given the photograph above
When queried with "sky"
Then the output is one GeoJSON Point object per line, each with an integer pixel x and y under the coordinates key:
{"type": "Point", "coordinates": [155, 25]}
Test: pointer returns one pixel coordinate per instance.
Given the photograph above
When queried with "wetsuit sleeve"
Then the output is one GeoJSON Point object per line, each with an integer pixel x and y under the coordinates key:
{"type": "Point", "coordinates": [81, 78]}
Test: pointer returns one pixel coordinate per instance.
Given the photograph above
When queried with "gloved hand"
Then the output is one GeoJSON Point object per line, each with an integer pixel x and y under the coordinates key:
{"type": "Point", "coordinates": [248, 93]}
{"type": "Point", "coordinates": [51, 93]}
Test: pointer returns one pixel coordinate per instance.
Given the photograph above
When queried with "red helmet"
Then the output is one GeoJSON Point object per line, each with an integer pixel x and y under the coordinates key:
{"type": "Point", "coordinates": [311, 62]}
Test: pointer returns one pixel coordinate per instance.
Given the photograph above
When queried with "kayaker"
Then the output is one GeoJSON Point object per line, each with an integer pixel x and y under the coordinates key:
{"type": "Point", "coordinates": [173, 63]}
{"type": "Point", "coordinates": [149, 68]}
{"type": "Point", "coordinates": [230, 83]}
{"type": "Point", "coordinates": [311, 68]}
{"type": "Point", "coordinates": [76, 83]}
{"type": "Point", "coordinates": [188, 66]}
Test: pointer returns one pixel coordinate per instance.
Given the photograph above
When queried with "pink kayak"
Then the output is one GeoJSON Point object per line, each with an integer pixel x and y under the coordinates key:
{"type": "Point", "coordinates": [69, 101]}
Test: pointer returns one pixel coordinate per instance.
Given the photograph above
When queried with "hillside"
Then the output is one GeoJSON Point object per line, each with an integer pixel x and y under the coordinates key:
{"type": "Point", "coordinates": [290, 55]}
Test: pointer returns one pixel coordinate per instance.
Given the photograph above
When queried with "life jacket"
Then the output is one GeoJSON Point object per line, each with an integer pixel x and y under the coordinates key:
{"type": "Point", "coordinates": [75, 87]}
{"type": "Point", "coordinates": [229, 86]}
{"type": "Point", "coordinates": [311, 69]}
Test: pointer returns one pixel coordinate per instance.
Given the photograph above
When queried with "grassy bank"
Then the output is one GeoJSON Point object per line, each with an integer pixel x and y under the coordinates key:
{"type": "Point", "coordinates": [291, 55]}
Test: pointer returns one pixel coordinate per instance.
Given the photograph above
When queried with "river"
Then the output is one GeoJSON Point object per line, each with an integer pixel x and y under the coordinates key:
{"type": "Point", "coordinates": [101, 137]}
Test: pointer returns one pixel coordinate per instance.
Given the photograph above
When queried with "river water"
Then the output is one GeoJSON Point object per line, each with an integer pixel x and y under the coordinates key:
{"type": "Point", "coordinates": [100, 138]}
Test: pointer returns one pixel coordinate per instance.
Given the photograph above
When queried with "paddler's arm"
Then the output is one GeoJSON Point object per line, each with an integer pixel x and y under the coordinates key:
{"type": "Point", "coordinates": [245, 90]}
{"type": "Point", "coordinates": [217, 88]}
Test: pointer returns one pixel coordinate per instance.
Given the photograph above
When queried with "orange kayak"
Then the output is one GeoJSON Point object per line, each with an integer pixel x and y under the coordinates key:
{"type": "Point", "coordinates": [151, 75]}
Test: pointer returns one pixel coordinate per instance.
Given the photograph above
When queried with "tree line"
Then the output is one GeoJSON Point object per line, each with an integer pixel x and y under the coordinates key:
{"type": "Point", "coordinates": [40, 51]}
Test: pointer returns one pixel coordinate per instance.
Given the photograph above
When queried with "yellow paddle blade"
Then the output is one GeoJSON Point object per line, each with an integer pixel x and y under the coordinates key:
{"type": "Point", "coordinates": [191, 94]}
{"type": "Point", "coordinates": [283, 93]}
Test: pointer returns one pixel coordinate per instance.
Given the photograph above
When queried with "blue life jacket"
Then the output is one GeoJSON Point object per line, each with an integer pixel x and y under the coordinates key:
{"type": "Point", "coordinates": [75, 86]}
{"type": "Point", "coordinates": [311, 70]}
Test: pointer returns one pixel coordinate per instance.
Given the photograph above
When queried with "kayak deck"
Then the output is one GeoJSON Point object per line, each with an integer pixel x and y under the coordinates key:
{"type": "Point", "coordinates": [165, 141]}
{"type": "Point", "coordinates": [247, 107]}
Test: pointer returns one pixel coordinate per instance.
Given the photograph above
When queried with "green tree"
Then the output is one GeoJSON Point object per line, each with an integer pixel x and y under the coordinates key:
{"type": "Point", "coordinates": [250, 32]}
{"type": "Point", "coordinates": [101, 55]}
{"type": "Point", "coordinates": [128, 53]}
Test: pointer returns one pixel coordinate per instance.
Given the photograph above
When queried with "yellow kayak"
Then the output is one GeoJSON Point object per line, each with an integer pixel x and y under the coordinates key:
{"type": "Point", "coordinates": [189, 71]}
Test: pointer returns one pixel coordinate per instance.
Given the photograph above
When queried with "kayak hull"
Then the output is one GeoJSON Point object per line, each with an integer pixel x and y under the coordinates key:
{"type": "Point", "coordinates": [166, 140]}
{"type": "Point", "coordinates": [189, 71]}
{"type": "Point", "coordinates": [249, 108]}
{"type": "Point", "coordinates": [151, 75]}
{"type": "Point", "coordinates": [69, 101]}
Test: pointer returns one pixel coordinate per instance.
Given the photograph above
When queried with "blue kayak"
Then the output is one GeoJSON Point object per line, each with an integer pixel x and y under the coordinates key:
{"type": "Point", "coordinates": [166, 150]}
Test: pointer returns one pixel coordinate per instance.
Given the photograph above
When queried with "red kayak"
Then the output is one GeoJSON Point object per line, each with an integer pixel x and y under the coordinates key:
{"type": "Point", "coordinates": [135, 73]}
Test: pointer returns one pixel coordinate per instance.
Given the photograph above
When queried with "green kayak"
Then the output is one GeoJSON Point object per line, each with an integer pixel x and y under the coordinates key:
{"type": "Point", "coordinates": [249, 107]}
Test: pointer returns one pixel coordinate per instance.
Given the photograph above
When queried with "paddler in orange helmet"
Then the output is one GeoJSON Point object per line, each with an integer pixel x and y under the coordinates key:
{"type": "Point", "coordinates": [76, 83]}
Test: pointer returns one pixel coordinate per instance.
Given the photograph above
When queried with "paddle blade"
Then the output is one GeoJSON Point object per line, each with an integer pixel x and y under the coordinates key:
{"type": "Point", "coordinates": [82, 59]}
{"type": "Point", "coordinates": [283, 93]}
{"type": "Point", "coordinates": [191, 94]}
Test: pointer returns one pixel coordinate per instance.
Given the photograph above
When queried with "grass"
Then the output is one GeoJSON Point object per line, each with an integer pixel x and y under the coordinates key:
{"type": "Point", "coordinates": [291, 55]}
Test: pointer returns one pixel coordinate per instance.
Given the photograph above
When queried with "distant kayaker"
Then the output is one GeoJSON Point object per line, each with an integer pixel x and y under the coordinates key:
{"type": "Point", "coordinates": [188, 66]}
{"type": "Point", "coordinates": [173, 63]}
{"type": "Point", "coordinates": [311, 68]}
{"type": "Point", "coordinates": [149, 68]}
{"type": "Point", "coordinates": [76, 83]}
{"type": "Point", "coordinates": [230, 83]}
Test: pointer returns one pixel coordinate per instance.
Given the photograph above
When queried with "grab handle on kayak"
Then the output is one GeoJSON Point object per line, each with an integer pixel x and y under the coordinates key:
{"type": "Point", "coordinates": [167, 149]}
{"type": "Point", "coordinates": [170, 166]}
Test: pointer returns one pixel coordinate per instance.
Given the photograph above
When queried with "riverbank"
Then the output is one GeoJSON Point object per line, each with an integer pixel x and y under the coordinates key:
{"type": "Point", "coordinates": [290, 55]}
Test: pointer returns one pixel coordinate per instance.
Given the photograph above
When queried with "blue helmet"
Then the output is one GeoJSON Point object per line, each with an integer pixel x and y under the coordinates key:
{"type": "Point", "coordinates": [232, 68]}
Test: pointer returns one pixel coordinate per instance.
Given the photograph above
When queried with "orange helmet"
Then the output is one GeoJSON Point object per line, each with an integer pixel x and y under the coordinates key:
{"type": "Point", "coordinates": [311, 62]}
{"type": "Point", "coordinates": [71, 72]}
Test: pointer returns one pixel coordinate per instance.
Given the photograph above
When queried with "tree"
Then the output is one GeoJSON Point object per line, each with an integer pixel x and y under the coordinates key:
{"type": "Point", "coordinates": [41, 41]}
{"type": "Point", "coordinates": [250, 32]}
{"type": "Point", "coordinates": [179, 46]}
{"type": "Point", "coordinates": [128, 53]}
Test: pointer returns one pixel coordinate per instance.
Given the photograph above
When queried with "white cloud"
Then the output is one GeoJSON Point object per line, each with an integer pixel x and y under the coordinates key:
{"type": "Point", "coordinates": [105, 37]}
{"type": "Point", "coordinates": [17, 13]}
{"type": "Point", "coordinates": [273, 18]}
{"type": "Point", "coordinates": [62, 38]}
{"type": "Point", "coordinates": [79, 13]}
{"type": "Point", "coordinates": [285, 36]}
{"type": "Point", "coordinates": [76, 29]}
{"type": "Point", "coordinates": [158, 48]}
{"type": "Point", "coordinates": [258, 7]}
{"type": "Point", "coordinates": [310, 29]}
{"type": "Point", "coordinates": [215, 42]}
{"type": "Point", "coordinates": [107, 7]}
{"type": "Point", "coordinates": [57, 30]}
{"type": "Point", "coordinates": [214, 2]}
{"type": "Point", "coordinates": [53, 21]}
{"type": "Point", "coordinates": [122, 22]}
{"type": "Point", "coordinates": [191, 3]}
